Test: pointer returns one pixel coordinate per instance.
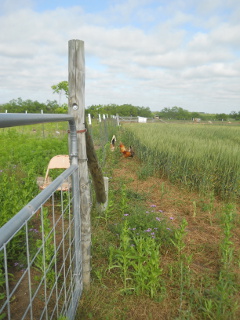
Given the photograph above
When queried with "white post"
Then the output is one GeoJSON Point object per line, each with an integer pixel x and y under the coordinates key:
{"type": "Point", "coordinates": [118, 122]}
{"type": "Point", "coordinates": [89, 119]}
{"type": "Point", "coordinates": [99, 117]}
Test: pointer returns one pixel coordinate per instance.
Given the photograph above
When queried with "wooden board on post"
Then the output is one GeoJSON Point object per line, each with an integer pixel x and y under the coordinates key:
{"type": "Point", "coordinates": [76, 107]}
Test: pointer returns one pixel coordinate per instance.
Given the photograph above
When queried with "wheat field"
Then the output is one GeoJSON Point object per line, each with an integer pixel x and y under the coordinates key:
{"type": "Point", "coordinates": [202, 157]}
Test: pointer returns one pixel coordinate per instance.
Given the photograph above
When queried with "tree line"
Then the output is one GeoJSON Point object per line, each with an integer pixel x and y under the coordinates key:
{"type": "Point", "coordinates": [177, 113]}
{"type": "Point", "coordinates": [29, 106]}
{"type": "Point", "coordinates": [124, 110]}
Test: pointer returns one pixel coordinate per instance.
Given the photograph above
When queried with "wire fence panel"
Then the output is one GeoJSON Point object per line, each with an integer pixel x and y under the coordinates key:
{"type": "Point", "coordinates": [46, 280]}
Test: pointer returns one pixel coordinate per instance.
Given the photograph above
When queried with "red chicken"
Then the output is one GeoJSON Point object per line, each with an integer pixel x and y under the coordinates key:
{"type": "Point", "coordinates": [126, 152]}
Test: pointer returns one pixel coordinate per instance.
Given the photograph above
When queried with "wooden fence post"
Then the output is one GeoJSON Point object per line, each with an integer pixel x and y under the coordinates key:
{"type": "Point", "coordinates": [76, 107]}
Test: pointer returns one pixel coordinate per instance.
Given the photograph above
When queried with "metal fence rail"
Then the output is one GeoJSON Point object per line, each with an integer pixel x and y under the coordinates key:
{"type": "Point", "coordinates": [46, 281]}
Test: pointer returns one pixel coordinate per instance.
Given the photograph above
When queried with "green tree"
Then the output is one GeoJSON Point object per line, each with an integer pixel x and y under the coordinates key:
{"type": "Point", "coordinates": [221, 116]}
{"type": "Point", "coordinates": [175, 113]}
{"type": "Point", "coordinates": [21, 106]}
{"type": "Point", "coordinates": [60, 88]}
{"type": "Point", "coordinates": [234, 115]}
{"type": "Point", "coordinates": [125, 110]}
{"type": "Point", "coordinates": [195, 115]}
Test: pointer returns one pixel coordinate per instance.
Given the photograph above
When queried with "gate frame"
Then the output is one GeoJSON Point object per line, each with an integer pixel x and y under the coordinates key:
{"type": "Point", "coordinates": [8, 230]}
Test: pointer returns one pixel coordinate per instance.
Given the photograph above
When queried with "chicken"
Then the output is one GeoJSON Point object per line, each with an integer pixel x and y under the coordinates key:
{"type": "Point", "coordinates": [126, 152]}
{"type": "Point", "coordinates": [122, 148]}
{"type": "Point", "coordinates": [113, 142]}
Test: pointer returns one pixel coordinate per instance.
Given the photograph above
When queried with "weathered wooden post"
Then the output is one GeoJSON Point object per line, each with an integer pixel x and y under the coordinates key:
{"type": "Point", "coordinates": [76, 107]}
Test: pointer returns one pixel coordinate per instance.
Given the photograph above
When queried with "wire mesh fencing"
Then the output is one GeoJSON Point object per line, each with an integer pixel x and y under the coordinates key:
{"type": "Point", "coordinates": [40, 255]}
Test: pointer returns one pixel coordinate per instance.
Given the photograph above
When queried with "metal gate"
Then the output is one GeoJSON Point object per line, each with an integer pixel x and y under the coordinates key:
{"type": "Point", "coordinates": [48, 280]}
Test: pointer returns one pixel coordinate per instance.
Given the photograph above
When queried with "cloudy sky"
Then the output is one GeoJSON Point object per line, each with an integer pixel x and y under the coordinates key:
{"type": "Point", "coordinates": [151, 53]}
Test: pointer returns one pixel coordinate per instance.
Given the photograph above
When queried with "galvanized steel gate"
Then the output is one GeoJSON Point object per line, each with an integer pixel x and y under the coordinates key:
{"type": "Point", "coordinates": [50, 227]}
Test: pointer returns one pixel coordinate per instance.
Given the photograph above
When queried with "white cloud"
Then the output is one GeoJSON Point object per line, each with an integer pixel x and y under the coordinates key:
{"type": "Point", "coordinates": [170, 56]}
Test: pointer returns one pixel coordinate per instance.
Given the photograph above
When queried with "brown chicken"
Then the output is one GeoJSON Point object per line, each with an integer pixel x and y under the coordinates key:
{"type": "Point", "coordinates": [126, 152]}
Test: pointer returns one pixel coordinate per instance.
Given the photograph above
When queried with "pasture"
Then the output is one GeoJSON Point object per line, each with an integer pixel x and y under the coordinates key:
{"type": "Point", "coordinates": [24, 155]}
{"type": "Point", "coordinates": [168, 245]}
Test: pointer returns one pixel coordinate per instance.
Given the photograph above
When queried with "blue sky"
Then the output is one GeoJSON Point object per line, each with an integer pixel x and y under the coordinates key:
{"type": "Point", "coordinates": [87, 5]}
{"type": "Point", "coordinates": [150, 53]}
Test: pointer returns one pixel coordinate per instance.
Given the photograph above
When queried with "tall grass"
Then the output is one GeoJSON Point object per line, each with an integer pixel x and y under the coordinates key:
{"type": "Point", "coordinates": [204, 158]}
{"type": "Point", "coordinates": [24, 155]}
{"type": "Point", "coordinates": [142, 269]}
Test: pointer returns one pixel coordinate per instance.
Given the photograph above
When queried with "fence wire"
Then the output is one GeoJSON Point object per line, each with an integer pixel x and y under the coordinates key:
{"type": "Point", "coordinates": [46, 280]}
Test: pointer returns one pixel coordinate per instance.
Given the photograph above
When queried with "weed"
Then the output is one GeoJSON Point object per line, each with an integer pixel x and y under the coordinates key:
{"type": "Point", "coordinates": [178, 240]}
{"type": "Point", "coordinates": [137, 259]}
{"type": "Point", "coordinates": [2, 278]}
{"type": "Point", "coordinates": [44, 260]}
{"type": "Point", "coordinates": [182, 266]}
{"type": "Point", "coordinates": [146, 224]}
{"type": "Point", "coordinates": [124, 202]}
{"type": "Point", "coordinates": [226, 246]}
{"type": "Point", "coordinates": [217, 300]}
{"type": "Point", "coordinates": [121, 258]}
{"type": "Point", "coordinates": [146, 267]}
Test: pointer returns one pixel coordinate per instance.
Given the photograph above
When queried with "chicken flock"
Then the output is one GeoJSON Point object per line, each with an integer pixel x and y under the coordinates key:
{"type": "Point", "coordinates": [126, 152]}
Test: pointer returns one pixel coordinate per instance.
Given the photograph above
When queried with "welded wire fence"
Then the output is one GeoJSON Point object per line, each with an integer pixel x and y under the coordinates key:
{"type": "Point", "coordinates": [40, 247]}
{"type": "Point", "coordinates": [102, 133]}
{"type": "Point", "coordinates": [45, 282]}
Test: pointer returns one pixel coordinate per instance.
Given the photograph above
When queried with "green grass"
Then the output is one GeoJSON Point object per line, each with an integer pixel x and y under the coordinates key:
{"type": "Point", "coordinates": [144, 266]}
{"type": "Point", "coordinates": [151, 255]}
{"type": "Point", "coordinates": [23, 157]}
{"type": "Point", "coordinates": [204, 158]}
